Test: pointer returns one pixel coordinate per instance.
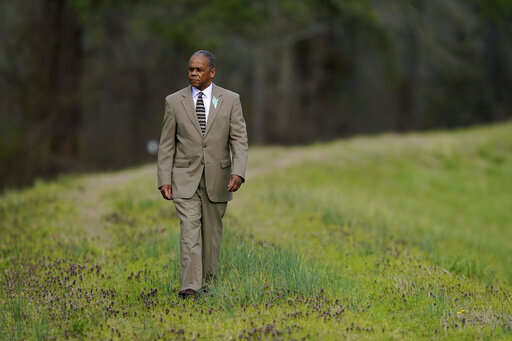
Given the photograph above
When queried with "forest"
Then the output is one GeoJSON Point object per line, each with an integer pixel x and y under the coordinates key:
{"type": "Point", "coordinates": [82, 82]}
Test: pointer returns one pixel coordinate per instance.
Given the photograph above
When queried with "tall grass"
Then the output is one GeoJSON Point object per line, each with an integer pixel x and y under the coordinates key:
{"type": "Point", "coordinates": [251, 271]}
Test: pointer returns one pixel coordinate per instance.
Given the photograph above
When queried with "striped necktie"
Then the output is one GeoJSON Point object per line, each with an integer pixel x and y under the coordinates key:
{"type": "Point", "coordinates": [201, 112]}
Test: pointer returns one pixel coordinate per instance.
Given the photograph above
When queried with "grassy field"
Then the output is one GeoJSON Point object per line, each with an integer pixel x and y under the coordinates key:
{"type": "Point", "coordinates": [385, 237]}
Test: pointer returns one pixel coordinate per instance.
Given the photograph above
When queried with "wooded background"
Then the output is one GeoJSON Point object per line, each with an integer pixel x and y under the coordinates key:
{"type": "Point", "coordinates": [82, 82]}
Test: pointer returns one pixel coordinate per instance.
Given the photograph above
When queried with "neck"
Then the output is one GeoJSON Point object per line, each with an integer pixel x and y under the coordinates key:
{"type": "Point", "coordinates": [204, 87]}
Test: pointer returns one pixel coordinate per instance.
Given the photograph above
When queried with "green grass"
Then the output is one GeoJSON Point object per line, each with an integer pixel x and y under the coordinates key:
{"type": "Point", "coordinates": [385, 237]}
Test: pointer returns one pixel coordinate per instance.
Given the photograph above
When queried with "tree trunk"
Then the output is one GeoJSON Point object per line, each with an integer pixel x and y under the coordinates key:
{"type": "Point", "coordinates": [282, 119]}
{"type": "Point", "coordinates": [258, 97]}
{"type": "Point", "coordinates": [52, 84]}
{"type": "Point", "coordinates": [494, 72]}
{"type": "Point", "coordinates": [409, 83]}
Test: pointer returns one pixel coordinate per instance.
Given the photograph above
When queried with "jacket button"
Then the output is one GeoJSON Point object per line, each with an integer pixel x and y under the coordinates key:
{"type": "Point", "coordinates": [202, 162]}
{"type": "Point", "coordinates": [204, 145]}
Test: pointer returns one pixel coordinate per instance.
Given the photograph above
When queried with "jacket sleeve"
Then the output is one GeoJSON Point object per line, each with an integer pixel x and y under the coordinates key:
{"type": "Point", "coordinates": [238, 139]}
{"type": "Point", "coordinates": [167, 147]}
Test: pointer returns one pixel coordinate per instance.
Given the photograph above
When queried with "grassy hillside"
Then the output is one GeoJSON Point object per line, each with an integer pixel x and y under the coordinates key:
{"type": "Point", "coordinates": [387, 237]}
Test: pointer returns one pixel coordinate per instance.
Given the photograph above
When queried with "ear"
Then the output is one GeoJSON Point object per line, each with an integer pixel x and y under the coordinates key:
{"type": "Point", "coordinates": [212, 72]}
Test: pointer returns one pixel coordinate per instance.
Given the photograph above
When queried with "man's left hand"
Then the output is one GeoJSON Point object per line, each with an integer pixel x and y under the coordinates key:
{"type": "Point", "coordinates": [234, 183]}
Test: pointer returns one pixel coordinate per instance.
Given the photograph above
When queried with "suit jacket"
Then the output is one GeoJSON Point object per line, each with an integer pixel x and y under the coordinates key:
{"type": "Point", "coordinates": [184, 153]}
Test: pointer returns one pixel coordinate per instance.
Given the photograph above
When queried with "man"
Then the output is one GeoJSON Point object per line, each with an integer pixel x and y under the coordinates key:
{"type": "Point", "coordinates": [201, 160]}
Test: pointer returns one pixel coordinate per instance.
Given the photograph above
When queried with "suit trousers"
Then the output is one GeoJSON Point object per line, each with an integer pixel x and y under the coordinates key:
{"type": "Point", "coordinates": [200, 237]}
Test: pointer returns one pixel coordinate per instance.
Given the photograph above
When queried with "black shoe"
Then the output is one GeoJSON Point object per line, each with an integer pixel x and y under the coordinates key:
{"type": "Point", "coordinates": [187, 293]}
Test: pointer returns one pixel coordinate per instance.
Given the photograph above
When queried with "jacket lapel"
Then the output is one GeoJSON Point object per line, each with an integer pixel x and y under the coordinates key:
{"type": "Point", "coordinates": [188, 105]}
{"type": "Point", "coordinates": [214, 109]}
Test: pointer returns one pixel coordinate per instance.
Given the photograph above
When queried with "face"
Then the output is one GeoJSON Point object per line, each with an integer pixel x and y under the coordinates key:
{"type": "Point", "coordinates": [200, 74]}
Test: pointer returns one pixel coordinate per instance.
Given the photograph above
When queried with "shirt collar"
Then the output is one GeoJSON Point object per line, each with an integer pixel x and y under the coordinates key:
{"type": "Point", "coordinates": [206, 92]}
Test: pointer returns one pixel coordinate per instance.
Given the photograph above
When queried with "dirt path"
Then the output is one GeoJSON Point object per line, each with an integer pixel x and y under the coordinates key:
{"type": "Point", "coordinates": [90, 204]}
{"type": "Point", "coordinates": [90, 189]}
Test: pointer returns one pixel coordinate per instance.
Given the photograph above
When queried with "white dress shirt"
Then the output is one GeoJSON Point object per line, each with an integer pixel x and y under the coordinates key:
{"type": "Point", "coordinates": [207, 98]}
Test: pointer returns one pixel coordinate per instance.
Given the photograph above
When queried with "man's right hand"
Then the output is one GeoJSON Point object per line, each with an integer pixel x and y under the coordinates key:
{"type": "Point", "coordinates": [166, 191]}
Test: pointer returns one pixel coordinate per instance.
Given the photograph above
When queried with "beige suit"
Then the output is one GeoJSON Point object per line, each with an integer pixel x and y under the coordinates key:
{"type": "Point", "coordinates": [198, 168]}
